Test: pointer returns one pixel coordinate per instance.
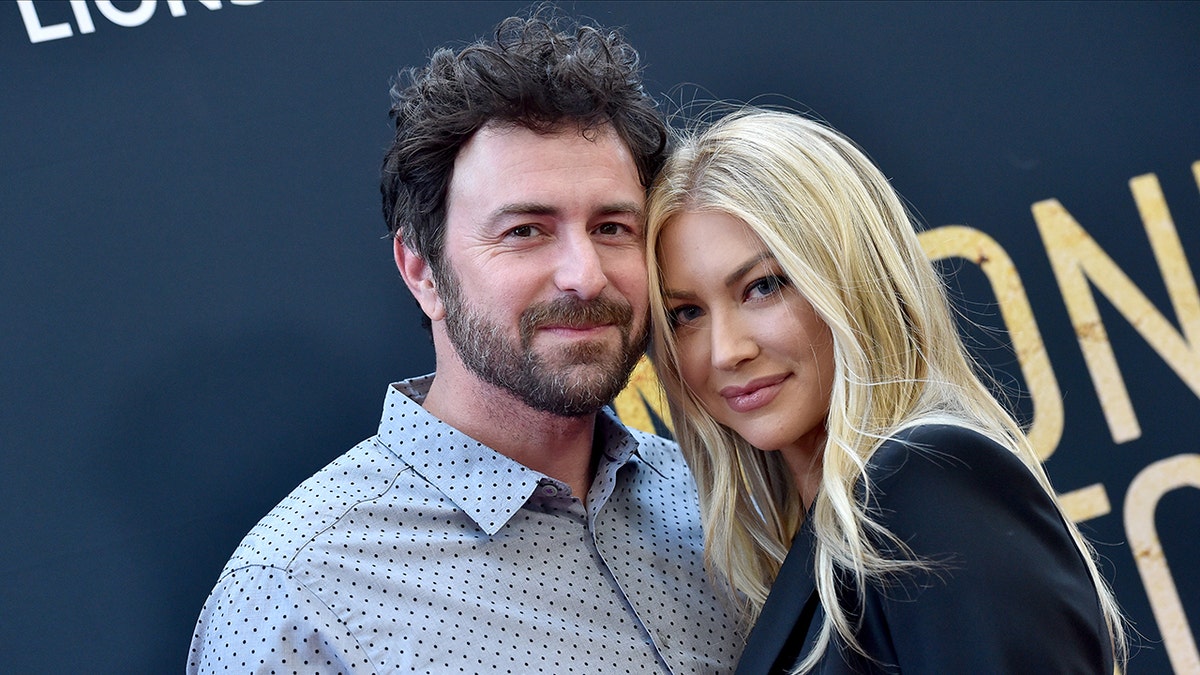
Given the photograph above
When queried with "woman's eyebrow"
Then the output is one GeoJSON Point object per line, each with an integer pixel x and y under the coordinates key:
{"type": "Point", "coordinates": [740, 272]}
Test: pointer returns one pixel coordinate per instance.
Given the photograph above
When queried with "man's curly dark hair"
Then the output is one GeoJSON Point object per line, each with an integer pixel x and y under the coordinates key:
{"type": "Point", "coordinates": [532, 75]}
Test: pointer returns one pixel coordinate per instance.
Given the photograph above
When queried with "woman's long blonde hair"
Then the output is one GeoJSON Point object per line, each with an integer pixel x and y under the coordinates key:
{"type": "Point", "coordinates": [845, 240]}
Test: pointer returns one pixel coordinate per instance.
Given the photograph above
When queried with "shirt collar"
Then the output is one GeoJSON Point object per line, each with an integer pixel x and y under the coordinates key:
{"type": "Point", "coordinates": [486, 485]}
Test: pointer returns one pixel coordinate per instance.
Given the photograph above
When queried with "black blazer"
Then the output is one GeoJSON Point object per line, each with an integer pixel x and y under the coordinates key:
{"type": "Point", "coordinates": [1009, 591]}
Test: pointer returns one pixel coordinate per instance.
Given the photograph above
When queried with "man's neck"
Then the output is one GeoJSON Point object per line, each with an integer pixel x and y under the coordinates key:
{"type": "Point", "coordinates": [559, 447]}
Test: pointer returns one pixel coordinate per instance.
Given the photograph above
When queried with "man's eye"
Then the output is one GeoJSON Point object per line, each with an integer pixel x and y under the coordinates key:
{"type": "Point", "coordinates": [522, 231]}
{"type": "Point", "coordinates": [611, 228]}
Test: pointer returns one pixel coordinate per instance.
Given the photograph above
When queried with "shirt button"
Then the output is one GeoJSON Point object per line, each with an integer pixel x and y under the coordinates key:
{"type": "Point", "coordinates": [549, 490]}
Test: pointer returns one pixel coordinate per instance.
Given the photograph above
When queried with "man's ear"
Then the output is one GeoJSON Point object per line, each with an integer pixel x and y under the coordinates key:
{"type": "Point", "coordinates": [418, 276]}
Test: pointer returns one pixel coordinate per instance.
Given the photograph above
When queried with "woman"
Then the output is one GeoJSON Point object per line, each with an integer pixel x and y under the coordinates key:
{"type": "Point", "coordinates": [870, 505]}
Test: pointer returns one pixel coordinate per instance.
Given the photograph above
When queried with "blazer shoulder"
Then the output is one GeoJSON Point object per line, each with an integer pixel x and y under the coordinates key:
{"type": "Point", "coordinates": [945, 452]}
{"type": "Point", "coordinates": [933, 480]}
{"type": "Point", "coordinates": [992, 543]}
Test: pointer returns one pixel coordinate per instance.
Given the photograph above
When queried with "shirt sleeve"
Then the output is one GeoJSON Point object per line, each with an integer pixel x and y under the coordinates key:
{"type": "Point", "coordinates": [1007, 590]}
{"type": "Point", "coordinates": [261, 620]}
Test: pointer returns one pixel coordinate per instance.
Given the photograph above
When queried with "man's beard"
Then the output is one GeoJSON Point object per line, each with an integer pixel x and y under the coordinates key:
{"type": "Point", "coordinates": [572, 381]}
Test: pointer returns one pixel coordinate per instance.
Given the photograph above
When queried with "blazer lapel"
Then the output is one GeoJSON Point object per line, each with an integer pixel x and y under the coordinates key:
{"type": "Point", "coordinates": [779, 634]}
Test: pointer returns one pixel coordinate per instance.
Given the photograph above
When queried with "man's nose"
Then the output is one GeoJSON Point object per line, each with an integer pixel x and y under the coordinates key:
{"type": "Point", "coordinates": [580, 270]}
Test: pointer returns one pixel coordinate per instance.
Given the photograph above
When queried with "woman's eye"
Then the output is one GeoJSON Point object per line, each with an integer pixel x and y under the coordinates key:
{"type": "Point", "coordinates": [683, 315]}
{"type": "Point", "coordinates": [766, 286]}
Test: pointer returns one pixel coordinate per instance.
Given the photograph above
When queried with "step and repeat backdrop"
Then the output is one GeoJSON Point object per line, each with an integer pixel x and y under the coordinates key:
{"type": "Point", "coordinates": [198, 306]}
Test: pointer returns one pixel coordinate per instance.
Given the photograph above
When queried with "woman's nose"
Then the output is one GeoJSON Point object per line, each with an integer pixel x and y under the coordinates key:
{"type": "Point", "coordinates": [732, 341]}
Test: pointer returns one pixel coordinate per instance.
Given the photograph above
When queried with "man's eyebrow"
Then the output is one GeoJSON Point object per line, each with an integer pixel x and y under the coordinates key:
{"type": "Point", "coordinates": [622, 208]}
{"type": "Point", "coordinates": [523, 209]}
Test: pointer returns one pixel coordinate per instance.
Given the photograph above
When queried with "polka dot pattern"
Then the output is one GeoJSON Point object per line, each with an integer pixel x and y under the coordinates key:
{"type": "Point", "coordinates": [421, 550]}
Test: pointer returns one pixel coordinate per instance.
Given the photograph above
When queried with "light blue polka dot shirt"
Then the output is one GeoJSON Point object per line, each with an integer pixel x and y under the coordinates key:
{"type": "Point", "coordinates": [422, 550]}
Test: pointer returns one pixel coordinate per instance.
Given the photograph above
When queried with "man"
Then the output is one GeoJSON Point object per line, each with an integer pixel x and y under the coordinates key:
{"type": "Point", "coordinates": [502, 520]}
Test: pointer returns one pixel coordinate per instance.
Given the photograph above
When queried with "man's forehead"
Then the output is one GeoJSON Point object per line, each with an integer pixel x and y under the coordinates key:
{"type": "Point", "coordinates": [514, 168]}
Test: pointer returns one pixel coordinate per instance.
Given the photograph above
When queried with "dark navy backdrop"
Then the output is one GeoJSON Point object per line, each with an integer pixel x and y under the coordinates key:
{"type": "Point", "coordinates": [197, 310]}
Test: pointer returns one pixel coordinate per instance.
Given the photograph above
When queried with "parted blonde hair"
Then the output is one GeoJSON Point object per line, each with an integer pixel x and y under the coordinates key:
{"type": "Point", "coordinates": [845, 240]}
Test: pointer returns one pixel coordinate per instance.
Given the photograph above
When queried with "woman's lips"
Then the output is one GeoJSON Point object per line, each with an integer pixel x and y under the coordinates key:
{"type": "Point", "coordinates": [756, 394]}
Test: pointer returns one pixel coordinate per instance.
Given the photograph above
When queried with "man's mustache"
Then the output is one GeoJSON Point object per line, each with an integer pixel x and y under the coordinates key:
{"type": "Point", "coordinates": [574, 312]}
